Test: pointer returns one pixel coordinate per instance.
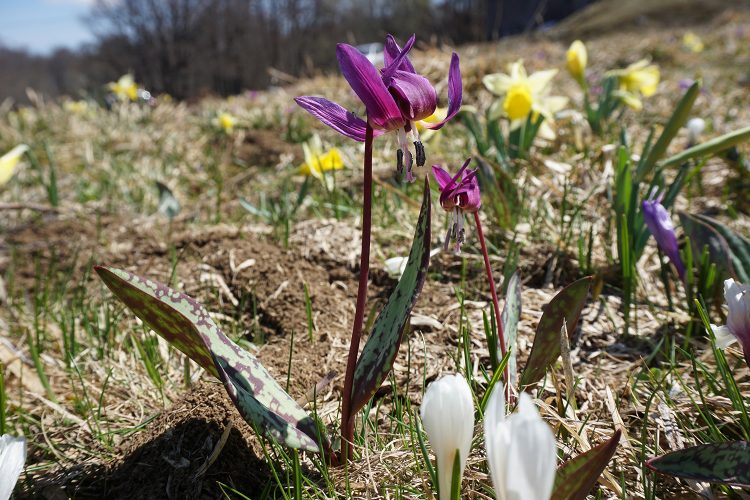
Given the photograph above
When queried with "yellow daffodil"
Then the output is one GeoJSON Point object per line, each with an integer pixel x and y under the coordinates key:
{"type": "Point", "coordinates": [638, 79]}
{"type": "Point", "coordinates": [316, 161]}
{"type": "Point", "coordinates": [577, 58]}
{"type": "Point", "coordinates": [523, 95]}
{"type": "Point", "coordinates": [693, 42]}
{"type": "Point", "coordinates": [225, 121]}
{"type": "Point", "coordinates": [80, 107]}
{"type": "Point", "coordinates": [125, 88]}
{"type": "Point", "coordinates": [9, 161]}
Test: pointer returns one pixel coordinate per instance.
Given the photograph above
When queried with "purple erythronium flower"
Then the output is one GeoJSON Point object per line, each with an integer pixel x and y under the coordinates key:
{"type": "Point", "coordinates": [395, 98]}
{"type": "Point", "coordinates": [737, 328]}
{"type": "Point", "coordinates": [660, 224]}
{"type": "Point", "coordinates": [458, 194]}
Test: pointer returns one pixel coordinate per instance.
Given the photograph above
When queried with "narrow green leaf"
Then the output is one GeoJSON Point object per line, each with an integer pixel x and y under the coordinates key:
{"type": "Point", "coordinates": [510, 317]}
{"type": "Point", "coordinates": [382, 345]}
{"type": "Point", "coordinates": [713, 146]}
{"type": "Point", "coordinates": [727, 249]}
{"type": "Point", "coordinates": [727, 463]}
{"type": "Point", "coordinates": [675, 123]}
{"type": "Point", "coordinates": [576, 477]}
{"type": "Point", "coordinates": [566, 305]}
{"type": "Point", "coordinates": [185, 324]}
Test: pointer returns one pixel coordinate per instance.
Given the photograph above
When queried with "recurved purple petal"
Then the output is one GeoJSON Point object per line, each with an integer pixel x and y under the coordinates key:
{"type": "Point", "coordinates": [339, 119]}
{"type": "Point", "coordinates": [397, 62]}
{"type": "Point", "coordinates": [392, 51]}
{"type": "Point", "coordinates": [414, 94]}
{"type": "Point", "coordinates": [382, 111]}
{"type": "Point", "coordinates": [455, 93]}
{"type": "Point", "coordinates": [442, 177]}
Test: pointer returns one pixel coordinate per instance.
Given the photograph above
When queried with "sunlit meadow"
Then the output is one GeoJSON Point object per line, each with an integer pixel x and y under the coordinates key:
{"type": "Point", "coordinates": [517, 270]}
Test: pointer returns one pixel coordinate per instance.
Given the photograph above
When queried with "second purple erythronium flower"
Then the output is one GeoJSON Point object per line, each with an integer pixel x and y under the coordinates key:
{"type": "Point", "coordinates": [660, 224]}
{"type": "Point", "coordinates": [395, 98]}
{"type": "Point", "coordinates": [458, 194]}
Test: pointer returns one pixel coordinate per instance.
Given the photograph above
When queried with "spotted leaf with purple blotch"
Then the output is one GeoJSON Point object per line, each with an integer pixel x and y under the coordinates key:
{"type": "Point", "coordinates": [727, 463]}
{"type": "Point", "coordinates": [567, 306]}
{"type": "Point", "coordinates": [185, 324]}
{"type": "Point", "coordinates": [382, 345]}
{"type": "Point", "coordinates": [576, 477]}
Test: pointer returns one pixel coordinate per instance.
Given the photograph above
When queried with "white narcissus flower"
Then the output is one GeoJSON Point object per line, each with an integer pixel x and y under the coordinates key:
{"type": "Point", "coordinates": [448, 417]}
{"type": "Point", "coordinates": [12, 458]}
{"type": "Point", "coordinates": [520, 449]}
{"type": "Point", "coordinates": [737, 328]}
{"type": "Point", "coordinates": [523, 94]}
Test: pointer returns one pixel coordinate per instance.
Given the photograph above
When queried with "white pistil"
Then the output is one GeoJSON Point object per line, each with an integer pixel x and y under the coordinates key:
{"type": "Point", "coordinates": [403, 144]}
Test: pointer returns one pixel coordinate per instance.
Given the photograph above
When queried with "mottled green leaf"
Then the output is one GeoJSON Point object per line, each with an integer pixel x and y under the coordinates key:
{"type": "Point", "coordinates": [567, 305]}
{"type": "Point", "coordinates": [185, 324]}
{"type": "Point", "coordinates": [727, 463]}
{"type": "Point", "coordinates": [576, 477]}
{"type": "Point", "coordinates": [729, 250]}
{"type": "Point", "coordinates": [510, 316]}
{"type": "Point", "coordinates": [708, 148]}
{"type": "Point", "coordinates": [382, 345]}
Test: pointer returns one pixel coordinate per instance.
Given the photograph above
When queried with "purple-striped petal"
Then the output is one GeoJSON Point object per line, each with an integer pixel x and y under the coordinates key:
{"type": "Point", "coordinates": [339, 119]}
{"type": "Point", "coordinates": [660, 225]}
{"type": "Point", "coordinates": [392, 51]}
{"type": "Point", "coordinates": [455, 93]}
{"type": "Point", "coordinates": [414, 94]}
{"type": "Point", "coordinates": [397, 62]}
{"type": "Point", "coordinates": [382, 111]}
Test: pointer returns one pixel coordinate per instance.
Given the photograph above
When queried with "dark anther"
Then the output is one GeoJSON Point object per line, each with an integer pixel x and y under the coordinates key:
{"type": "Point", "coordinates": [421, 157]}
{"type": "Point", "coordinates": [400, 160]}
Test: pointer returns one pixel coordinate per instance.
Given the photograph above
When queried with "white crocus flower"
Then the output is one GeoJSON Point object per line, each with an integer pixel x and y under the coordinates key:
{"type": "Point", "coordinates": [12, 458]}
{"type": "Point", "coordinates": [695, 127]}
{"type": "Point", "coordinates": [448, 417]}
{"type": "Point", "coordinates": [520, 449]}
{"type": "Point", "coordinates": [395, 266]}
{"type": "Point", "coordinates": [737, 328]}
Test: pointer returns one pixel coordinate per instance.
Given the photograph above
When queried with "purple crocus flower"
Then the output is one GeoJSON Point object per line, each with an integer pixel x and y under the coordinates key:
{"type": "Point", "coordinates": [395, 98]}
{"type": "Point", "coordinates": [660, 225]}
{"type": "Point", "coordinates": [458, 194]}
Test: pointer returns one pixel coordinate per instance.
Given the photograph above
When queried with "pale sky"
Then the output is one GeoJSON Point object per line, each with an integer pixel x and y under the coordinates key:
{"type": "Point", "coordinates": [42, 25]}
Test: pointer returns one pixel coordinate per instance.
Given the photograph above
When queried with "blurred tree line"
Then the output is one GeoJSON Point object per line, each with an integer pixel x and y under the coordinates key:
{"type": "Point", "coordinates": [189, 48]}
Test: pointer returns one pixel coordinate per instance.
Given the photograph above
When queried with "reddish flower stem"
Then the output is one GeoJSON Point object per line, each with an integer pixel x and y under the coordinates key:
{"type": "Point", "coordinates": [347, 420]}
{"type": "Point", "coordinates": [495, 304]}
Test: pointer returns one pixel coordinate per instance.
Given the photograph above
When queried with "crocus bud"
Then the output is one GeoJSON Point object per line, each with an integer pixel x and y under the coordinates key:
{"type": "Point", "coordinates": [577, 59]}
{"type": "Point", "coordinates": [12, 458]}
{"type": "Point", "coordinates": [695, 127]}
{"type": "Point", "coordinates": [660, 225]}
{"type": "Point", "coordinates": [520, 449]}
{"type": "Point", "coordinates": [448, 416]}
{"type": "Point", "coordinates": [737, 297]}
